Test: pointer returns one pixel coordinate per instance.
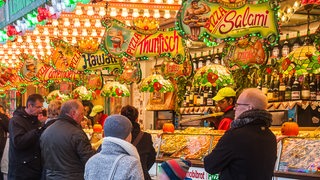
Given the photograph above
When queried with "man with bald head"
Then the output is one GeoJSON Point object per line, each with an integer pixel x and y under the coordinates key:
{"type": "Point", "coordinates": [65, 148]}
{"type": "Point", "coordinates": [249, 149]}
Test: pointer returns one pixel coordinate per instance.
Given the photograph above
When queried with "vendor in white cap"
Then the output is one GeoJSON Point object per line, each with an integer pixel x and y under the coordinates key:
{"type": "Point", "coordinates": [98, 114]}
{"type": "Point", "coordinates": [225, 99]}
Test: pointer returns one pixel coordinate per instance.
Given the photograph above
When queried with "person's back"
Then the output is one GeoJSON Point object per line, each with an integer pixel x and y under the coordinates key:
{"type": "Point", "coordinates": [118, 158]}
{"type": "Point", "coordinates": [65, 148]}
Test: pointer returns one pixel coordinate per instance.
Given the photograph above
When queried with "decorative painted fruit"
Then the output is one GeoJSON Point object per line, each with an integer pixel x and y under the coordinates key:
{"type": "Point", "coordinates": [212, 77]}
{"type": "Point", "coordinates": [285, 64]}
{"type": "Point", "coordinates": [168, 128]}
{"type": "Point", "coordinates": [119, 91]}
{"type": "Point", "coordinates": [290, 129]}
{"type": "Point", "coordinates": [157, 86]}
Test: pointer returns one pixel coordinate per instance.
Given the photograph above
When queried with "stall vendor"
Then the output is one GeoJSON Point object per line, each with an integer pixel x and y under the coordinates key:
{"type": "Point", "coordinates": [225, 99]}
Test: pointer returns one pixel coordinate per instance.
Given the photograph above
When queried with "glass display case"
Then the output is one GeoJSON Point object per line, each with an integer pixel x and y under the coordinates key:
{"type": "Point", "coordinates": [299, 155]}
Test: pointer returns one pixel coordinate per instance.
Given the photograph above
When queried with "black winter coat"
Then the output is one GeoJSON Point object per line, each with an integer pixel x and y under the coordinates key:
{"type": "Point", "coordinates": [24, 149]}
{"type": "Point", "coordinates": [4, 128]}
{"type": "Point", "coordinates": [65, 150]}
{"type": "Point", "coordinates": [246, 153]}
{"type": "Point", "coordinates": [145, 149]}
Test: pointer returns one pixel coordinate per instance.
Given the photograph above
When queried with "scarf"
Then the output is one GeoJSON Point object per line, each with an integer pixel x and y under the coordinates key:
{"type": "Point", "coordinates": [128, 147]}
{"type": "Point", "coordinates": [253, 116]}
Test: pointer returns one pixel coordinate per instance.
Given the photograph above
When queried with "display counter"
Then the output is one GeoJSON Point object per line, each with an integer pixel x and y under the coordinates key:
{"type": "Point", "coordinates": [298, 157]}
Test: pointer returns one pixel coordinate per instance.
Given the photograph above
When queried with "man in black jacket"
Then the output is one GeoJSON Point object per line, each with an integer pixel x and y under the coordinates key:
{"type": "Point", "coordinates": [24, 150]}
{"type": "Point", "coordinates": [65, 147]}
{"type": "Point", "coordinates": [4, 123]}
{"type": "Point", "coordinates": [249, 149]}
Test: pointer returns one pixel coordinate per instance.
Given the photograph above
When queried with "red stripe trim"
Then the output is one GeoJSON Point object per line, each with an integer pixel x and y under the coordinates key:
{"type": "Point", "coordinates": [177, 169]}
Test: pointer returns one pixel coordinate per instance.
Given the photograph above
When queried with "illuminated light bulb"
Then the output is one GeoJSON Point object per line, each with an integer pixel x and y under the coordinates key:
{"type": "Point", "coordinates": [1, 51]}
{"type": "Point", "coordinates": [180, 2]}
{"type": "Point", "coordinates": [18, 52]}
{"type": "Point", "coordinates": [10, 60]}
{"type": "Point", "coordinates": [124, 12]}
{"type": "Point", "coordinates": [296, 4]}
{"type": "Point", "coordinates": [156, 13]}
{"type": "Point", "coordinates": [102, 32]}
{"type": "Point", "coordinates": [23, 46]}
{"type": "Point", "coordinates": [26, 51]}
{"type": "Point", "coordinates": [49, 52]}
{"type": "Point", "coordinates": [14, 45]}
{"type": "Point", "coordinates": [55, 31]}
{"type": "Point", "coordinates": [135, 13]}
{"type": "Point", "coordinates": [113, 12]}
{"type": "Point", "coordinates": [94, 33]}
{"type": "Point", "coordinates": [289, 10]}
{"type": "Point", "coordinates": [6, 56]}
{"type": "Point", "coordinates": [74, 40]}
{"type": "Point", "coordinates": [128, 23]}
{"type": "Point", "coordinates": [78, 10]}
{"type": "Point", "coordinates": [48, 46]}
{"type": "Point", "coordinates": [41, 53]}
{"type": "Point", "coordinates": [90, 11]}
{"type": "Point", "coordinates": [47, 40]}
{"type": "Point", "coordinates": [31, 46]}
{"type": "Point", "coordinates": [145, 1]}
{"type": "Point", "coordinates": [40, 46]}
{"type": "Point", "coordinates": [14, 57]}
{"type": "Point", "coordinates": [10, 51]}
{"type": "Point", "coordinates": [28, 39]}
{"type": "Point", "coordinates": [284, 18]}
{"type": "Point", "coordinates": [65, 39]}
{"type": "Point", "coordinates": [167, 14]}
{"type": "Point", "coordinates": [65, 32]}
{"type": "Point", "coordinates": [36, 31]}
{"type": "Point", "coordinates": [98, 23]}
{"type": "Point", "coordinates": [55, 22]}
{"type": "Point", "coordinates": [76, 22]}
{"type": "Point", "coordinates": [38, 40]}
{"type": "Point", "coordinates": [102, 11]}
{"type": "Point", "coordinates": [133, 1]}
{"type": "Point", "coordinates": [87, 23]}
{"type": "Point", "coordinates": [146, 13]}
{"type": "Point", "coordinates": [158, 1]}
{"type": "Point", "coordinates": [20, 40]}
{"type": "Point", "coordinates": [170, 1]}
{"type": "Point", "coordinates": [66, 22]}
{"type": "Point", "coordinates": [74, 32]}
{"type": "Point", "coordinates": [3, 61]}
{"type": "Point", "coordinates": [45, 31]}
{"type": "Point", "coordinates": [84, 32]}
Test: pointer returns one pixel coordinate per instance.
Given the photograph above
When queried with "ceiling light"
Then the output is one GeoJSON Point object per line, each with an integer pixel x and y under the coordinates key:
{"type": "Point", "coordinates": [74, 32]}
{"type": "Point", "coordinates": [156, 13]}
{"type": "Point", "coordinates": [74, 40]}
{"type": "Point", "coordinates": [14, 46]}
{"type": "Point", "coordinates": [10, 61]}
{"type": "Point", "coordinates": [135, 13]}
{"type": "Point", "coordinates": [20, 40]}
{"type": "Point", "coordinates": [170, 1]}
{"type": "Point", "coordinates": [40, 47]}
{"type": "Point", "coordinates": [76, 22]}
{"type": "Point", "coordinates": [41, 53]}
{"type": "Point", "coordinates": [6, 56]}
{"type": "Point", "coordinates": [113, 12]}
{"type": "Point", "coordinates": [28, 39]}
{"type": "Point", "coordinates": [55, 22]}
{"type": "Point", "coordinates": [102, 11]}
{"type": "Point", "coordinates": [146, 13]}
{"type": "Point", "coordinates": [66, 22]}
{"type": "Point", "coordinates": [65, 32]}
{"type": "Point", "coordinates": [84, 32]}
{"type": "Point", "coordinates": [31, 46]}
{"type": "Point", "coordinates": [9, 51]}
{"type": "Point", "coordinates": [158, 1]}
{"type": "Point", "coordinates": [98, 23]}
{"type": "Point", "coordinates": [167, 14]}
{"type": "Point", "coordinates": [1, 51]}
{"type": "Point", "coordinates": [38, 40]}
{"type": "Point", "coordinates": [145, 1]}
{"type": "Point", "coordinates": [49, 52]}
{"type": "Point", "coordinates": [94, 33]}
{"type": "Point", "coordinates": [47, 40]}
{"type": "Point", "coordinates": [87, 23]}
{"type": "Point", "coordinates": [78, 10]}
{"type": "Point", "coordinates": [18, 51]}
{"type": "Point", "coordinates": [124, 12]}
{"type": "Point", "coordinates": [90, 11]}
{"type": "Point", "coordinates": [36, 31]}
{"type": "Point", "coordinates": [48, 46]}
{"type": "Point", "coordinates": [45, 31]}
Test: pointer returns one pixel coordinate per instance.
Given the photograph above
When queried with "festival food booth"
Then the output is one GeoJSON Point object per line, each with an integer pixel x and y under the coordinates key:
{"type": "Point", "coordinates": [246, 50]}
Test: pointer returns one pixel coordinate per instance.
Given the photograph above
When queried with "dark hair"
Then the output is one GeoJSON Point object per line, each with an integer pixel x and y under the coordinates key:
{"type": "Point", "coordinates": [130, 112]}
{"type": "Point", "coordinates": [89, 104]}
{"type": "Point", "coordinates": [33, 98]}
{"type": "Point", "coordinates": [233, 99]}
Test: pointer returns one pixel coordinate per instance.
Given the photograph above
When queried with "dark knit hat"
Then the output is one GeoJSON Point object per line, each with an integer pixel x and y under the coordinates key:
{"type": "Point", "coordinates": [117, 126]}
{"type": "Point", "coordinates": [176, 168]}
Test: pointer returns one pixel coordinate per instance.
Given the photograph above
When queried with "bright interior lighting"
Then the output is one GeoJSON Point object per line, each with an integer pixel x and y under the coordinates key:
{"type": "Point", "coordinates": [76, 22]}
{"type": "Point", "coordinates": [90, 11]}
{"type": "Point", "coordinates": [124, 12]}
{"type": "Point", "coordinates": [156, 13]}
{"type": "Point", "coordinates": [167, 14]}
{"type": "Point", "coordinates": [135, 13]}
{"type": "Point", "coordinates": [170, 1]}
{"type": "Point", "coordinates": [98, 23]}
{"type": "Point", "coordinates": [55, 22]}
{"type": "Point", "coordinates": [45, 31]}
{"type": "Point", "coordinates": [75, 32]}
{"type": "Point", "coordinates": [84, 32]}
{"type": "Point", "coordinates": [87, 23]}
{"type": "Point", "coordinates": [102, 11]}
{"type": "Point", "coordinates": [78, 10]}
{"type": "Point", "coordinates": [158, 1]}
{"type": "Point", "coordinates": [66, 22]}
{"type": "Point", "coordinates": [146, 13]}
{"type": "Point", "coordinates": [113, 12]}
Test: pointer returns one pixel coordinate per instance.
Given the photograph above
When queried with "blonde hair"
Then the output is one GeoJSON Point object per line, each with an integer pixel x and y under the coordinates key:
{"type": "Point", "coordinates": [54, 108]}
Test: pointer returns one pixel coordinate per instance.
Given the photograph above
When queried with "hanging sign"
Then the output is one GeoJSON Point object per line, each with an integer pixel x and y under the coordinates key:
{"type": "Point", "coordinates": [204, 20]}
{"type": "Point", "coordinates": [131, 72]}
{"type": "Point", "coordinates": [46, 73]}
{"type": "Point", "coordinates": [100, 60]}
{"type": "Point", "coordinates": [245, 52]}
{"type": "Point", "coordinates": [28, 67]}
{"type": "Point", "coordinates": [170, 68]}
{"type": "Point", "coordinates": [121, 41]}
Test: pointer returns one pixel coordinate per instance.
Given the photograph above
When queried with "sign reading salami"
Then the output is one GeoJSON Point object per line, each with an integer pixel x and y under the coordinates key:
{"type": "Point", "coordinates": [198, 19]}
{"type": "Point", "coordinates": [122, 41]}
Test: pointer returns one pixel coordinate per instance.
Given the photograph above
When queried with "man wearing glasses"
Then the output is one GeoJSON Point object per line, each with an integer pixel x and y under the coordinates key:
{"type": "Point", "coordinates": [249, 149]}
{"type": "Point", "coordinates": [225, 100]}
{"type": "Point", "coordinates": [24, 131]}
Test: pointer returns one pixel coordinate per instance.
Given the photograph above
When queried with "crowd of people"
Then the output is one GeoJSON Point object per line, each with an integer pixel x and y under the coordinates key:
{"type": "Point", "coordinates": [35, 145]}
